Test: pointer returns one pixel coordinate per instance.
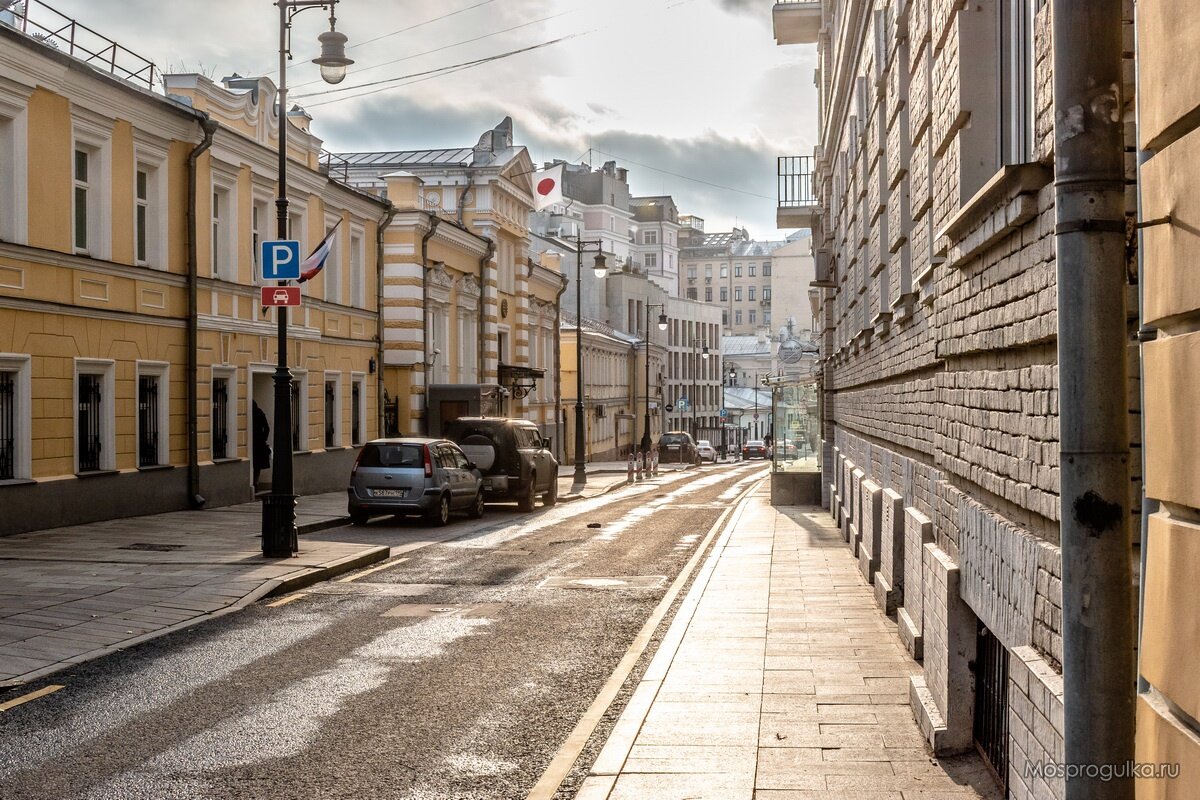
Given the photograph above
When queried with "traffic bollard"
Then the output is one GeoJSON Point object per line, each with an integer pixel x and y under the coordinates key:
{"type": "Point", "coordinates": [638, 462]}
{"type": "Point", "coordinates": [629, 476]}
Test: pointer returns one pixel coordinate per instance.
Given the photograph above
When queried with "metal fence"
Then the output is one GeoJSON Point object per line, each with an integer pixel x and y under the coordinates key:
{"type": "Point", "coordinates": [796, 182]}
{"type": "Point", "coordinates": [220, 419]}
{"type": "Point", "coordinates": [90, 421]}
{"type": "Point", "coordinates": [8, 426]}
{"type": "Point", "coordinates": [148, 421]}
{"type": "Point", "coordinates": [991, 703]}
{"type": "Point", "coordinates": [57, 30]}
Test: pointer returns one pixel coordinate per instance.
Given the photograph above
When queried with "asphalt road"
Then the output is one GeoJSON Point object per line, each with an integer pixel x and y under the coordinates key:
{"type": "Point", "coordinates": [454, 671]}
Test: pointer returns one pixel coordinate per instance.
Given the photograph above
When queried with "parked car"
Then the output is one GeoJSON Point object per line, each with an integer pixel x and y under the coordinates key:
{"type": "Point", "coordinates": [677, 447]}
{"type": "Point", "coordinates": [405, 476]}
{"type": "Point", "coordinates": [706, 451]}
{"type": "Point", "coordinates": [514, 459]}
{"type": "Point", "coordinates": [787, 450]}
{"type": "Point", "coordinates": [755, 448]}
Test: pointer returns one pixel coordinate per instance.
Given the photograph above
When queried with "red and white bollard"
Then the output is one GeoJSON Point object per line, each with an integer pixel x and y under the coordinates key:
{"type": "Point", "coordinates": [629, 476]}
{"type": "Point", "coordinates": [654, 463]}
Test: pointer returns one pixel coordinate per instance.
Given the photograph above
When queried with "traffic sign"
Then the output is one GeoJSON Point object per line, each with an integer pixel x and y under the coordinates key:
{"type": "Point", "coordinates": [280, 260]}
{"type": "Point", "coordinates": [280, 295]}
{"type": "Point", "coordinates": [756, 416]}
{"type": "Point", "coordinates": [724, 412]}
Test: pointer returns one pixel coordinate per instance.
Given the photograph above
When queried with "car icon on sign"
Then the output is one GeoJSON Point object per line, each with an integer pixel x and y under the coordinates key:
{"type": "Point", "coordinates": [280, 296]}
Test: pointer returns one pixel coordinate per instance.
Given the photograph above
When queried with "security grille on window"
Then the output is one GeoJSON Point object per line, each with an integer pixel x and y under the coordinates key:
{"type": "Point", "coordinates": [220, 418]}
{"type": "Point", "coordinates": [330, 413]}
{"type": "Point", "coordinates": [90, 423]}
{"type": "Point", "coordinates": [148, 432]}
{"type": "Point", "coordinates": [8, 426]}
{"type": "Point", "coordinates": [356, 412]}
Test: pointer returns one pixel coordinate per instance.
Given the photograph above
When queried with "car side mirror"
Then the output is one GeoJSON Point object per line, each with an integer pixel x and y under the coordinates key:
{"type": "Point", "coordinates": [471, 465]}
{"type": "Point", "coordinates": [545, 444]}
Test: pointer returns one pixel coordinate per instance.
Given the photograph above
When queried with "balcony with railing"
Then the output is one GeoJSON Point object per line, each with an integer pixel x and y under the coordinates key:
{"type": "Point", "coordinates": [797, 193]}
{"type": "Point", "coordinates": [796, 21]}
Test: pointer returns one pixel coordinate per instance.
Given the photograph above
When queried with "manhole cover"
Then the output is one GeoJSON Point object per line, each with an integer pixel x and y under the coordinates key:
{"type": "Point", "coordinates": [155, 548]}
{"type": "Point", "coordinates": [420, 610]}
{"type": "Point", "coordinates": [605, 582]}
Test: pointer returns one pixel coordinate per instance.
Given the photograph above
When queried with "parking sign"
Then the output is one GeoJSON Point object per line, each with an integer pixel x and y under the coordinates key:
{"type": "Point", "coordinates": [280, 260]}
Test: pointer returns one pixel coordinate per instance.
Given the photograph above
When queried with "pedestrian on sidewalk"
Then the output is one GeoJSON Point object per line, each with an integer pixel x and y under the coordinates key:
{"type": "Point", "coordinates": [262, 448]}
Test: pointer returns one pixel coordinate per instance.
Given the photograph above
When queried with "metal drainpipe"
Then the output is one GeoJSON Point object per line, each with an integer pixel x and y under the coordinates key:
{"type": "Point", "coordinates": [434, 221]}
{"type": "Point", "coordinates": [558, 417]}
{"type": "Point", "coordinates": [1098, 660]}
{"type": "Point", "coordinates": [381, 231]}
{"type": "Point", "coordinates": [208, 128]}
{"type": "Point", "coordinates": [487, 256]}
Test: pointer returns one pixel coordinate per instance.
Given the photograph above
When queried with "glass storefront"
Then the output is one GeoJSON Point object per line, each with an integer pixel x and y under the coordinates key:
{"type": "Point", "coordinates": [795, 444]}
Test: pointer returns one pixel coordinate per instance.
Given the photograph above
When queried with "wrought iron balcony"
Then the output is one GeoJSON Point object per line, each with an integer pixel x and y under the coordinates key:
{"type": "Point", "coordinates": [796, 21]}
{"type": "Point", "coordinates": [797, 198]}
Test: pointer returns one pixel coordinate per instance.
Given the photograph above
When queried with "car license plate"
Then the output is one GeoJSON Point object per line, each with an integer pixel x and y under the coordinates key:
{"type": "Point", "coordinates": [389, 493]}
{"type": "Point", "coordinates": [672, 447]}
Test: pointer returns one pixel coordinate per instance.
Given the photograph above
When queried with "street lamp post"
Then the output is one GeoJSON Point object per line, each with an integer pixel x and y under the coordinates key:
{"type": "Point", "coordinates": [279, 538]}
{"type": "Point", "coordinates": [662, 326]}
{"type": "Point", "coordinates": [601, 269]}
{"type": "Point", "coordinates": [692, 400]}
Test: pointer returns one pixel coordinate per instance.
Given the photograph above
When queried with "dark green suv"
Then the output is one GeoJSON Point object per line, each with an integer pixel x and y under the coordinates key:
{"type": "Point", "coordinates": [514, 459]}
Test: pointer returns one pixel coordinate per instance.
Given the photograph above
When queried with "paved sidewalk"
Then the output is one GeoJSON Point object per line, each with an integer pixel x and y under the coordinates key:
{"type": "Point", "coordinates": [779, 678]}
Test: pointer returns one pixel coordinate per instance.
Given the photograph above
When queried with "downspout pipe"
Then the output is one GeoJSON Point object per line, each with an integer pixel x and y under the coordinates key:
{"type": "Point", "coordinates": [434, 221]}
{"type": "Point", "coordinates": [380, 388]}
{"type": "Point", "coordinates": [1089, 194]}
{"type": "Point", "coordinates": [208, 128]}
{"type": "Point", "coordinates": [558, 414]}
{"type": "Point", "coordinates": [483, 262]}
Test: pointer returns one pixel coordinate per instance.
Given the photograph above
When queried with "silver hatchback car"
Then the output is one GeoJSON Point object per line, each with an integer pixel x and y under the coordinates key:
{"type": "Point", "coordinates": [431, 477]}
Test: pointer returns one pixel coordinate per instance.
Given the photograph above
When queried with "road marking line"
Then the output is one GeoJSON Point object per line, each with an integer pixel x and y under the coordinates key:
{"type": "Point", "coordinates": [568, 753]}
{"type": "Point", "coordinates": [371, 571]}
{"type": "Point", "coordinates": [291, 598]}
{"type": "Point", "coordinates": [25, 698]}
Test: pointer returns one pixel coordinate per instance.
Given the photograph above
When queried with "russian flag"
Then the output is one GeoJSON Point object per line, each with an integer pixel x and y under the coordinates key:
{"type": "Point", "coordinates": [316, 260]}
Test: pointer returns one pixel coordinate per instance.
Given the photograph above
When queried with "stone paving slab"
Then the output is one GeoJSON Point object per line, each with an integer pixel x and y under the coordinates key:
{"type": "Point", "coordinates": [779, 679]}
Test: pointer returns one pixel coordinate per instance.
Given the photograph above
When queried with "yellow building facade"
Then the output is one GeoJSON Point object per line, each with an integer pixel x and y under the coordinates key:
{"type": "Point", "coordinates": [132, 342]}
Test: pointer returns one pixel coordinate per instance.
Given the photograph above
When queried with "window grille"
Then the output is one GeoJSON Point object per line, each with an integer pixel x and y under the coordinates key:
{"type": "Point", "coordinates": [90, 422]}
{"type": "Point", "coordinates": [330, 413]}
{"type": "Point", "coordinates": [148, 432]}
{"type": "Point", "coordinates": [8, 426]}
{"type": "Point", "coordinates": [220, 419]}
{"type": "Point", "coordinates": [355, 413]}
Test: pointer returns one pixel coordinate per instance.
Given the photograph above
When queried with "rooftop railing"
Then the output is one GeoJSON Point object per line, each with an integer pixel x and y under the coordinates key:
{"type": "Point", "coordinates": [54, 29]}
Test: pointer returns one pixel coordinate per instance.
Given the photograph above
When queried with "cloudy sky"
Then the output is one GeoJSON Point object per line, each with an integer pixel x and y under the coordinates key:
{"type": "Point", "coordinates": [690, 95]}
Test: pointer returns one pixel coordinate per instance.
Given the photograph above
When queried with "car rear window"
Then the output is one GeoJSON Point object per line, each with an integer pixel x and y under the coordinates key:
{"type": "Point", "coordinates": [528, 437]}
{"type": "Point", "coordinates": [392, 455]}
{"type": "Point", "coordinates": [672, 438]}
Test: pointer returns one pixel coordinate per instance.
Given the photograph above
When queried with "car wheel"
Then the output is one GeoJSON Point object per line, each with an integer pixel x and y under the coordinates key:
{"type": "Point", "coordinates": [476, 507]}
{"type": "Point", "coordinates": [551, 496]}
{"type": "Point", "coordinates": [529, 499]}
{"type": "Point", "coordinates": [358, 517]}
{"type": "Point", "coordinates": [440, 515]}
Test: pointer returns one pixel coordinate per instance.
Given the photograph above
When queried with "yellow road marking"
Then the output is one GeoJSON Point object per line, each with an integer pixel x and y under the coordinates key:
{"type": "Point", "coordinates": [291, 598]}
{"type": "Point", "coordinates": [25, 698]}
{"type": "Point", "coordinates": [371, 571]}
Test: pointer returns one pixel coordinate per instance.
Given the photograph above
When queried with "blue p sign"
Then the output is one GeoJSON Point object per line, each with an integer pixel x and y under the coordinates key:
{"type": "Point", "coordinates": [280, 260]}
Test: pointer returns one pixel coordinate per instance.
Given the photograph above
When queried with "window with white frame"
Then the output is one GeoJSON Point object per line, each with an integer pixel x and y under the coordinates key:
{"type": "Point", "coordinates": [1016, 81]}
{"type": "Point", "coordinates": [358, 409]}
{"type": "Point", "coordinates": [13, 166]}
{"type": "Point", "coordinates": [737, 318]}
{"type": "Point", "coordinates": [737, 293]}
{"type": "Point", "coordinates": [297, 229]}
{"type": "Point", "coordinates": [751, 269]}
{"type": "Point", "coordinates": [333, 265]}
{"type": "Point", "coordinates": [153, 422]}
{"type": "Point", "coordinates": [438, 349]}
{"type": "Point", "coordinates": [358, 277]}
{"type": "Point", "coordinates": [724, 270]}
{"type": "Point", "coordinates": [224, 231]}
{"type": "Point", "coordinates": [737, 270]}
{"type": "Point", "coordinates": [651, 260]}
{"type": "Point", "coordinates": [223, 431]}
{"type": "Point", "coordinates": [766, 293]}
{"type": "Point", "coordinates": [506, 266]}
{"type": "Point", "coordinates": [766, 318]}
{"type": "Point", "coordinates": [91, 172]}
{"type": "Point", "coordinates": [84, 199]}
{"type": "Point", "coordinates": [333, 409]}
{"type": "Point", "coordinates": [766, 269]}
{"type": "Point", "coordinates": [753, 316]}
{"type": "Point", "coordinates": [15, 418]}
{"type": "Point", "coordinates": [95, 417]}
{"type": "Point", "coordinates": [468, 337]}
{"type": "Point", "coordinates": [650, 237]}
{"type": "Point", "coordinates": [260, 231]}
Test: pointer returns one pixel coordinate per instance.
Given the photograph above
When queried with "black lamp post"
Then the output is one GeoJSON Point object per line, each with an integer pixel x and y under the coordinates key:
{"type": "Point", "coordinates": [279, 505]}
{"type": "Point", "coordinates": [662, 326]}
{"type": "Point", "coordinates": [692, 400]}
{"type": "Point", "coordinates": [600, 267]}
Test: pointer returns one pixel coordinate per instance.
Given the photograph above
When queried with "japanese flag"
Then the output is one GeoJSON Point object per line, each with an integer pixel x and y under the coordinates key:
{"type": "Point", "coordinates": [547, 187]}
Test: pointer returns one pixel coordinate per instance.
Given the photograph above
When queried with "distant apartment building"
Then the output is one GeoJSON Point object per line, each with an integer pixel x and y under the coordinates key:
{"type": "Point", "coordinates": [655, 240]}
{"type": "Point", "coordinates": [732, 272]}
